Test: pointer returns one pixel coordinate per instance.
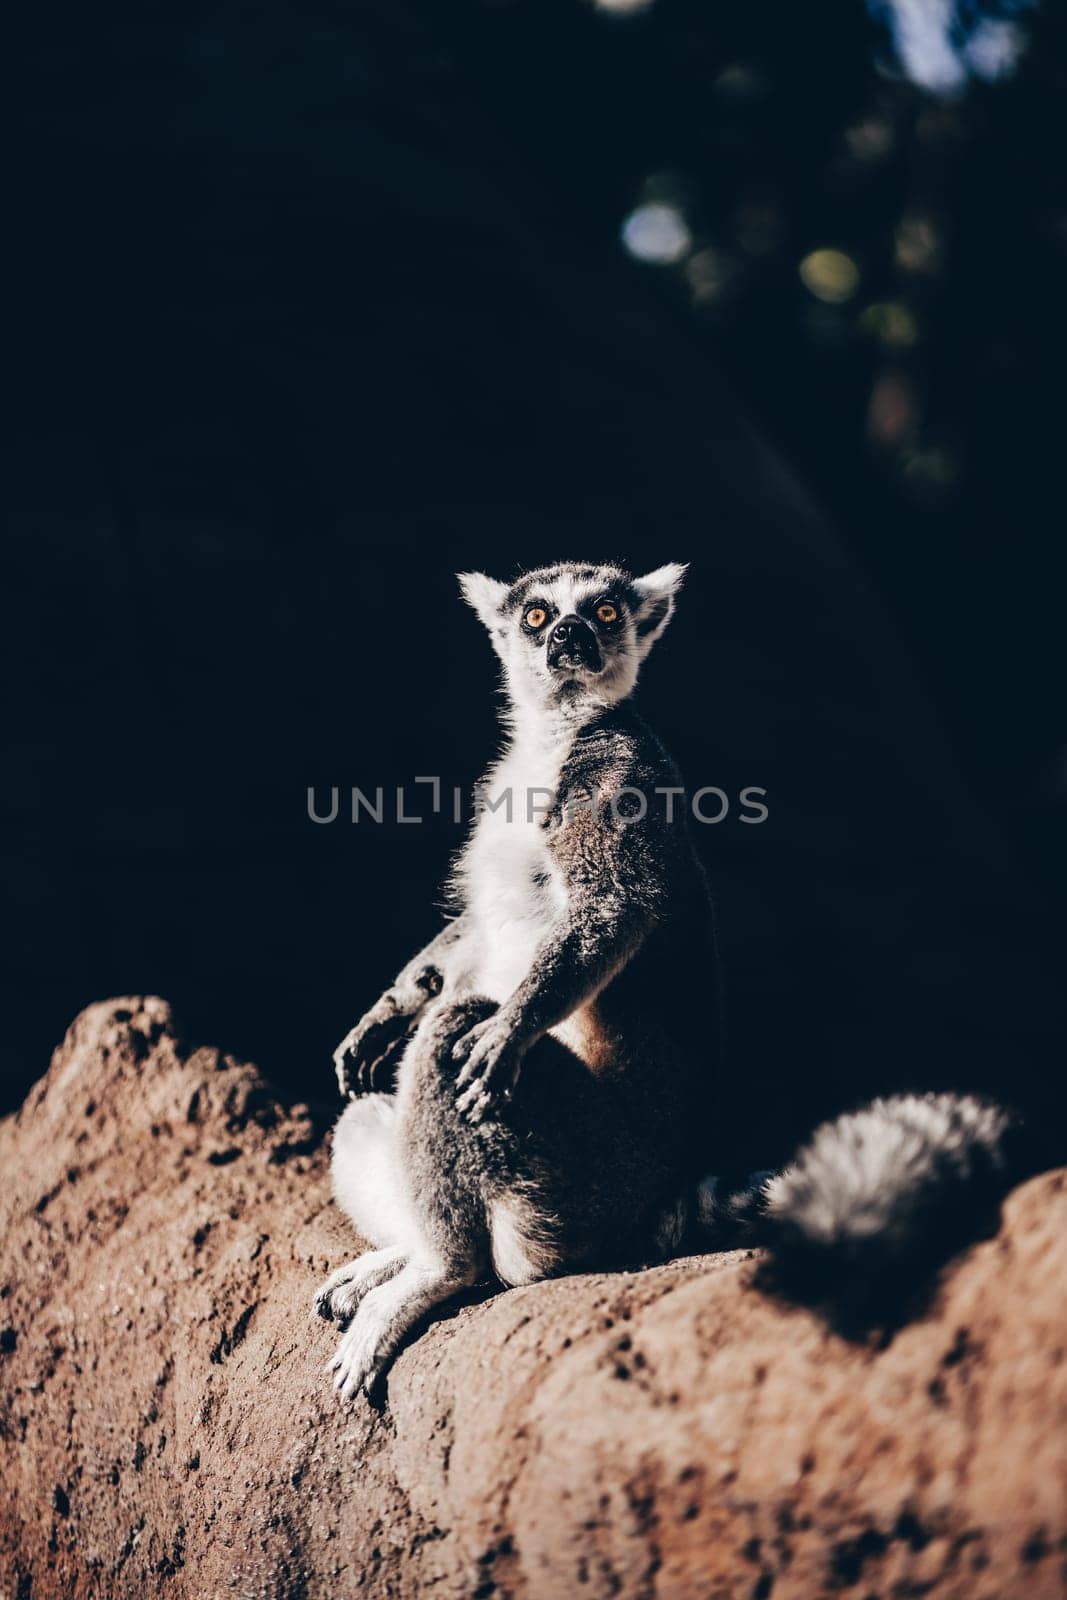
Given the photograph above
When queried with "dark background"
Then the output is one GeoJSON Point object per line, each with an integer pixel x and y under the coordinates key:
{"type": "Point", "coordinates": [315, 305]}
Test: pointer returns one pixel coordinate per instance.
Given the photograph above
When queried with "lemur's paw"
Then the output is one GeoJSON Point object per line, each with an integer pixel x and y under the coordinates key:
{"type": "Point", "coordinates": [368, 1055]}
{"type": "Point", "coordinates": [327, 1301]}
{"type": "Point", "coordinates": [361, 1355]}
{"type": "Point", "coordinates": [339, 1297]}
{"type": "Point", "coordinates": [491, 1060]}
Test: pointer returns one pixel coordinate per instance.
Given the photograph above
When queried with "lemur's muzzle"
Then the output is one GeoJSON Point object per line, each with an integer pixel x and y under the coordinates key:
{"type": "Point", "coordinates": [572, 643]}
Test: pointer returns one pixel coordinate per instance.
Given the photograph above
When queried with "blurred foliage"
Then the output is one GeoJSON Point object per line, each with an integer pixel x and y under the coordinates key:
{"type": "Point", "coordinates": [877, 228]}
{"type": "Point", "coordinates": [875, 221]}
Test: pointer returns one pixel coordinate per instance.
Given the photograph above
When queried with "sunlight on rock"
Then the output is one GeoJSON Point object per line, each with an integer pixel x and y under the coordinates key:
{"type": "Point", "coordinates": [657, 233]}
{"type": "Point", "coordinates": [830, 275]}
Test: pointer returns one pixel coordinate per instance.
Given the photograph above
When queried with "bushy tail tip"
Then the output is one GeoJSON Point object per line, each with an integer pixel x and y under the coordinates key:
{"type": "Point", "coordinates": [879, 1198]}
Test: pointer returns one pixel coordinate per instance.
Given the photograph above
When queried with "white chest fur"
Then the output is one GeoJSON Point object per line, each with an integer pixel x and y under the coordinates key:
{"type": "Point", "coordinates": [513, 891]}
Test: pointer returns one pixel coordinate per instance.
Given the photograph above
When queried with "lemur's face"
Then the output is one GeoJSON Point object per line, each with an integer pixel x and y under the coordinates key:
{"type": "Point", "coordinates": [574, 631]}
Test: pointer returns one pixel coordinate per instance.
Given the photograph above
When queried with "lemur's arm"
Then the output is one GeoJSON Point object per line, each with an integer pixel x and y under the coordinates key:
{"type": "Point", "coordinates": [572, 966]}
{"type": "Point", "coordinates": [371, 1048]}
{"type": "Point", "coordinates": [612, 905]}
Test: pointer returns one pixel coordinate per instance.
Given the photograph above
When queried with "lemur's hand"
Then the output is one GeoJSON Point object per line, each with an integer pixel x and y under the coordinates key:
{"type": "Point", "coordinates": [366, 1059]}
{"type": "Point", "coordinates": [492, 1055]}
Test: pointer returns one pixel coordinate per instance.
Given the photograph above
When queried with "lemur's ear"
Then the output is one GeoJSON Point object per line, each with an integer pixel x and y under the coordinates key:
{"type": "Point", "coordinates": [655, 593]}
{"type": "Point", "coordinates": [486, 595]}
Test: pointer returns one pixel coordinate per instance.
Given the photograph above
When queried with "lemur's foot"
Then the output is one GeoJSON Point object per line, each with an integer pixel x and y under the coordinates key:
{"type": "Point", "coordinates": [367, 1057]}
{"type": "Point", "coordinates": [339, 1297]}
{"type": "Point", "coordinates": [360, 1356]}
{"type": "Point", "coordinates": [388, 1312]}
{"type": "Point", "coordinates": [491, 1057]}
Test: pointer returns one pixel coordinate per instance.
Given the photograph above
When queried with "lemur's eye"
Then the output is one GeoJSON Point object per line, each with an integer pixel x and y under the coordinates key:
{"type": "Point", "coordinates": [607, 612]}
{"type": "Point", "coordinates": [536, 617]}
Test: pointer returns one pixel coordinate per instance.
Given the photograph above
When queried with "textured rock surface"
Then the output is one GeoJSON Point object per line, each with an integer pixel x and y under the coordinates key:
{"type": "Point", "coordinates": [166, 1425]}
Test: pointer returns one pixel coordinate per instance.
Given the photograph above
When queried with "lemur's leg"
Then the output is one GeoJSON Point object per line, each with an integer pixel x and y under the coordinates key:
{"type": "Point", "coordinates": [542, 1186]}
{"type": "Point", "coordinates": [386, 1315]}
{"type": "Point", "coordinates": [438, 1192]}
{"type": "Point", "coordinates": [365, 1167]}
{"type": "Point", "coordinates": [370, 1051]}
{"type": "Point", "coordinates": [368, 1187]}
{"type": "Point", "coordinates": [522, 1246]}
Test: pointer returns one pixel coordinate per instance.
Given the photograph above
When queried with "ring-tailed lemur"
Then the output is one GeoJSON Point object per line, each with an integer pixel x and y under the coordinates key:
{"type": "Point", "coordinates": [557, 1040]}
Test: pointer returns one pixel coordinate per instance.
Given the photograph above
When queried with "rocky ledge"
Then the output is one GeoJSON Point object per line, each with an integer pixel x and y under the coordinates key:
{"type": "Point", "coordinates": [167, 1427]}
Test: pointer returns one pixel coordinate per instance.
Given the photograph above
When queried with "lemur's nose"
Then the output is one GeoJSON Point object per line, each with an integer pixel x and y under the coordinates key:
{"type": "Point", "coordinates": [566, 628]}
{"type": "Point", "coordinates": [573, 640]}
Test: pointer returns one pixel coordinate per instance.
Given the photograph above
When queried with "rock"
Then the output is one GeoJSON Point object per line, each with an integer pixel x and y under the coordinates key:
{"type": "Point", "coordinates": [167, 1425]}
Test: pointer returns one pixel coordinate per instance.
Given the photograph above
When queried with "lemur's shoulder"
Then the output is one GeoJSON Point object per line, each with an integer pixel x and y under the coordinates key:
{"type": "Point", "coordinates": [628, 835]}
{"type": "Point", "coordinates": [619, 748]}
